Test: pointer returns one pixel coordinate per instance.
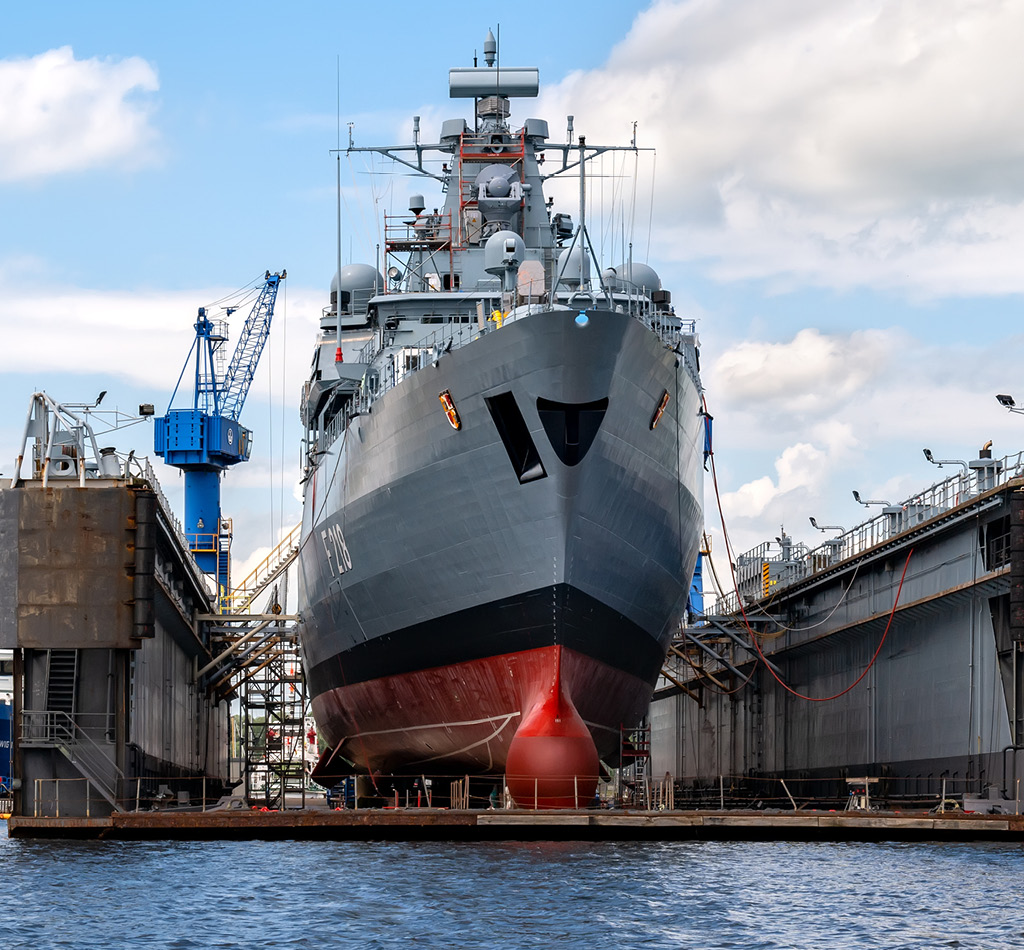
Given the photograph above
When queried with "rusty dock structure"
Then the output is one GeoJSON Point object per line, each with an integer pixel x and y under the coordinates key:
{"type": "Point", "coordinates": [125, 662]}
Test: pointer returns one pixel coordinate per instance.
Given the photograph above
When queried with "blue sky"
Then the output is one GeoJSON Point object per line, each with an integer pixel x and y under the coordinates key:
{"type": "Point", "coordinates": [838, 199]}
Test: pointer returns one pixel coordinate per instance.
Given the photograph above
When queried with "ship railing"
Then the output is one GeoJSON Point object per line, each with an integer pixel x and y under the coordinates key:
{"type": "Point", "coordinates": [764, 571]}
{"type": "Point", "coordinates": [171, 519]}
{"type": "Point", "coordinates": [426, 350]}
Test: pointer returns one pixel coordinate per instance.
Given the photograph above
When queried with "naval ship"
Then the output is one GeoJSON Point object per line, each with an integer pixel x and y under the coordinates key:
{"type": "Point", "coordinates": [504, 472]}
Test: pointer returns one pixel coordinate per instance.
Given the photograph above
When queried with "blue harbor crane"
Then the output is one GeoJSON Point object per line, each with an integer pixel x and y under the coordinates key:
{"type": "Point", "coordinates": [207, 438]}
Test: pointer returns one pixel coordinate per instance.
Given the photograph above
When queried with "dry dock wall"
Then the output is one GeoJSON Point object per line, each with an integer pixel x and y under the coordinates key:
{"type": "Point", "coordinates": [98, 599]}
{"type": "Point", "coordinates": [941, 702]}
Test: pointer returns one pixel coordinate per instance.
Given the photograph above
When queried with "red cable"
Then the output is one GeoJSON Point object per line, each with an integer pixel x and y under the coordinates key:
{"type": "Point", "coordinates": [753, 636]}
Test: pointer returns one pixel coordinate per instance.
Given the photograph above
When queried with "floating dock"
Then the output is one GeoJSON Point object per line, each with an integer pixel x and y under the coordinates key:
{"type": "Point", "coordinates": [422, 824]}
{"type": "Point", "coordinates": [892, 650]}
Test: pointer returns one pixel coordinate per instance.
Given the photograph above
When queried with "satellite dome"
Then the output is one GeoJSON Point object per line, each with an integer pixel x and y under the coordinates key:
{"type": "Point", "coordinates": [359, 282]}
{"type": "Point", "coordinates": [636, 278]}
{"type": "Point", "coordinates": [569, 266]}
{"type": "Point", "coordinates": [502, 247]}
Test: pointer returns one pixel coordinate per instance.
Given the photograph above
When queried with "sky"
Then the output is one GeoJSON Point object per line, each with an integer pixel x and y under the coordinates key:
{"type": "Point", "coordinates": [835, 194]}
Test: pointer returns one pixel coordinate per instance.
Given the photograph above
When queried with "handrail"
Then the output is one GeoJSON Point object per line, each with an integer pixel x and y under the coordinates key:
{"type": "Point", "coordinates": [428, 349]}
{"type": "Point", "coordinates": [943, 498]}
{"type": "Point", "coordinates": [264, 573]}
{"type": "Point", "coordinates": [49, 728]}
{"type": "Point", "coordinates": [892, 794]}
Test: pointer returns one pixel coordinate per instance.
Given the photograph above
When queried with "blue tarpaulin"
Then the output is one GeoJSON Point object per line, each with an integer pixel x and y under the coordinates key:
{"type": "Point", "coordinates": [5, 746]}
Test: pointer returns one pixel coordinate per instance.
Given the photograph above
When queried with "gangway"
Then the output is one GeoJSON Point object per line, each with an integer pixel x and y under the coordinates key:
{"type": "Point", "coordinates": [240, 599]}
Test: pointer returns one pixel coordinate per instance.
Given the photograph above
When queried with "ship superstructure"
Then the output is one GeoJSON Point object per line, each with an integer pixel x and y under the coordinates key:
{"type": "Point", "coordinates": [504, 474]}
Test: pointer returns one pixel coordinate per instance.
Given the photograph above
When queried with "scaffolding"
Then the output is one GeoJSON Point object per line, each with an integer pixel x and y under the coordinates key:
{"type": "Point", "coordinates": [259, 666]}
{"type": "Point", "coordinates": [278, 733]}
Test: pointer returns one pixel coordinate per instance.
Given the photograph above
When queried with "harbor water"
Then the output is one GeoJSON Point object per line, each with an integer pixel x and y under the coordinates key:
{"type": "Point", "coordinates": [699, 895]}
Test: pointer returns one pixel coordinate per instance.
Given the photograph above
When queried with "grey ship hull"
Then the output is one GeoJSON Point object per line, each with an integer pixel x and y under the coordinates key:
{"type": "Point", "coordinates": [442, 594]}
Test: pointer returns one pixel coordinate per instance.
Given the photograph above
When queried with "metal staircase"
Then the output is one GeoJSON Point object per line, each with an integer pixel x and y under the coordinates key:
{"type": "Point", "coordinates": [635, 765]}
{"type": "Point", "coordinates": [56, 729]}
{"type": "Point", "coordinates": [240, 599]}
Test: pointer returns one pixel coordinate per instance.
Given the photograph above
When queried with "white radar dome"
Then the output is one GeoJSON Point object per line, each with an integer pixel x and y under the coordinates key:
{"type": "Point", "coordinates": [501, 250]}
{"type": "Point", "coordinates": [569, 266]}
{"type": "Point", "coordinates": [636, 278]}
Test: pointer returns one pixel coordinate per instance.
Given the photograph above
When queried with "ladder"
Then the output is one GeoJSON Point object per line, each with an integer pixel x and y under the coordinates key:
{"type": "Point", "coordinates": [635, 764]}
{"type": "Point", "coordinates": [62, 675]}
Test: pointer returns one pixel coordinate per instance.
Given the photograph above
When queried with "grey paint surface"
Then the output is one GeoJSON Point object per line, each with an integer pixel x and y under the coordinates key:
{"type": "Point", "coordinates": [436, 521]}
{"type": "Point", "coordinates": [938, 700]}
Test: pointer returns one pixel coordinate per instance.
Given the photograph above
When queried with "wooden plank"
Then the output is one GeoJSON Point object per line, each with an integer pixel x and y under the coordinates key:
{"type": "Point", "coordinates": [497, 818]}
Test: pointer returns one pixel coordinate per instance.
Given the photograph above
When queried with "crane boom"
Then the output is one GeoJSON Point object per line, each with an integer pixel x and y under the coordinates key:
{"type": "Point", "coordinates": [242, 368]}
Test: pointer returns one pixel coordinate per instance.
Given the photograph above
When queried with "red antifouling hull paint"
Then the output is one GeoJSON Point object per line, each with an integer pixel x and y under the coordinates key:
{"type": "Point", "coordinates": [552, 760]}
{"type": "Point", "coordinates": [462, 719]}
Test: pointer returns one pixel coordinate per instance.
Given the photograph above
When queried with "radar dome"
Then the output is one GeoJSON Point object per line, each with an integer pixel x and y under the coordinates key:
{"type": "Point", "coordinates": [501, 249]}
{"type": "Point", "coordinates": [359, 282]}
{"type": "Point", "coordinates": [569, 266]}
{"type": "Point", "coordinates": [637, 278]}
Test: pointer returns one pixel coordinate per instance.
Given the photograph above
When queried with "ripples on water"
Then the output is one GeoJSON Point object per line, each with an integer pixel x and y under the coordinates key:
{"type": "Point", "coordinates": [698, 895]}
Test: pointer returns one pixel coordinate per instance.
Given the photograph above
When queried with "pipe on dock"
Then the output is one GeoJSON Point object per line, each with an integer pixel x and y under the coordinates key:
{"type": "Point", "coordinates": [1017, 565]}
{"type": "Point", "coordinates": [145, 564]}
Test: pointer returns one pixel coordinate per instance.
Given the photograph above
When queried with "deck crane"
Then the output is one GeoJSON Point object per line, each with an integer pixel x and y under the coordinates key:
{"type": "Point", "coordinates": [205, 439]}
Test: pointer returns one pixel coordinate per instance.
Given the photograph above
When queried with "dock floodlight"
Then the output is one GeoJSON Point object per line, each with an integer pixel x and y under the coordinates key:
{"type": "Point", "coordinates": [827, 527]}
{"type": "Point", "coordinates": [940, 462]}
{"type": "Point", "coordinates": [869, 502]}
{"type": "Point", "coordinates": [1007, 402]}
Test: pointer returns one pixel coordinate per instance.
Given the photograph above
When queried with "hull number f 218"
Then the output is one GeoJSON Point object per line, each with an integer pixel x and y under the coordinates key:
{"type": "Point", "coordinates": [336, 550]}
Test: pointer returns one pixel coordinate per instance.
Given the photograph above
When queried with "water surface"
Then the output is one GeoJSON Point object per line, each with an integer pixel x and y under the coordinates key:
{"type": "Point", "coordinates": [697, 895]}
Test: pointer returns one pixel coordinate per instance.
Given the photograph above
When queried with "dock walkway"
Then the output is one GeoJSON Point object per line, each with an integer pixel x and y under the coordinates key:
{"type": "Point", "coordinates": [465, 825]}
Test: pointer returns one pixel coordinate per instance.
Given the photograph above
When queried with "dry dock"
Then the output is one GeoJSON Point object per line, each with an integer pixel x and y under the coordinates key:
{"type": "Point", "coordinates": [460, 825]}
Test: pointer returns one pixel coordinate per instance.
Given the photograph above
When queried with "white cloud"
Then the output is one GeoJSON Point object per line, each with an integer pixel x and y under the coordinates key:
{"type": "Point", "coordinates": [853, 411]}
{"type": "Point", "coordinates": [59, 114]}
{"type": "Point", "coordinates": [800, 467]}
{"type": "Point", "coordinates": [810, 373]}
{"type": "Point", "coordinates": [851, 143]}
{"type": "Point", "coordinates": [141, 336]}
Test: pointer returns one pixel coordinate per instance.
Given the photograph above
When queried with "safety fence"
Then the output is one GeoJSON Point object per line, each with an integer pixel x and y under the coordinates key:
{"type": "Point", "coordinates": [81, 797]}
{"type": "Point", "coordinates": [933, 793]}
{"type": "Point", "coordinates": [771, 566]}
{"type": "Point", "coordinates": [78, 798]}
